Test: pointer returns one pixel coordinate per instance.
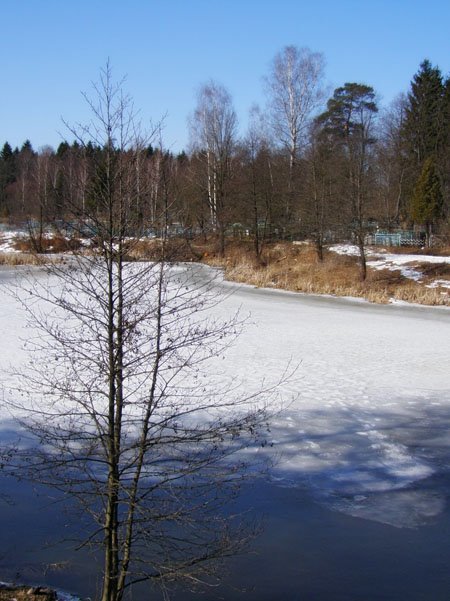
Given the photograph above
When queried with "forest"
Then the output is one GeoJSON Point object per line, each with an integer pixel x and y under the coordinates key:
{"type": "Point", "coordinates": [308, 167]}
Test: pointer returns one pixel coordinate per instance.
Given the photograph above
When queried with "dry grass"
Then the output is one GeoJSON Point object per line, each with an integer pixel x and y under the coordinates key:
{"type": "Point", "coordinates": [295, 267]}
{"type": "Point", "coordinates": [175, 250]}
{"type": "Point", "coordinates": [54, 244]}
{"type": "Point", "coordinates": [26, 593]}
{"type": "Point", "coordinates": [13, 259]}
{"type": "Point", "coordinates": [434, 270]}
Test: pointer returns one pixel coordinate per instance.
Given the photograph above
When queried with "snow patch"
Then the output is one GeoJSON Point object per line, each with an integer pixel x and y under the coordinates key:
{"type": "Point", "coordinates": [405, 263]}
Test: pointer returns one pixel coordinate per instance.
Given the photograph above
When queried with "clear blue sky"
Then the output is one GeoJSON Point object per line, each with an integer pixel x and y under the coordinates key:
{"type": "Point", "coordinates": [53, 49]}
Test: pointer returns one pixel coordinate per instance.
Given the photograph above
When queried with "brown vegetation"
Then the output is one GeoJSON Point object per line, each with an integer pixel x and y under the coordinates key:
{"type": "Point", "coordinates": [436, 251]}
{"type": "Point", "coordinates": [295, 267]}
{"type": "Point", "coordinates": [281, 265]}
{"type": "Point", "coordinates": [174, 250]}
{"type": "Point", "coordinates": [21, 258]}
{"type": "Point", "coordinates": [25, 593]}
{"type": "Point", "coordinates": [51, 244]}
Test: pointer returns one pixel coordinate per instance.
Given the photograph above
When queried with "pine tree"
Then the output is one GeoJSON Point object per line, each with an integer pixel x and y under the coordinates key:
{"type": "Point", "coordinates": [349, 122]}
{"type": "Point", "coordinates": [444, 155]}
{"type": "Point", "coordinates": [427, 199]}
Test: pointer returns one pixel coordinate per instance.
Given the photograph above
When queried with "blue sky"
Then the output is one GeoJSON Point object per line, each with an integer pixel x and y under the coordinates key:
{"type": "Point", "coordinates": [53, 49]}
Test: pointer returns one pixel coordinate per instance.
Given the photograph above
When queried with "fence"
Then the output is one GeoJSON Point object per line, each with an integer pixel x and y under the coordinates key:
{"type": "Point", "coordinates": [401, 238]}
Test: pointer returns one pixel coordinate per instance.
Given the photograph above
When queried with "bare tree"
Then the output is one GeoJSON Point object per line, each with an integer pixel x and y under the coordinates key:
{"type": "Point", "coordinates": [294, 88]}
{"type": "Point", "coordinates": [392, 162]}
{"type": "Point", "coordinates": [213, 134]}
{"type": "Point", "coordinates": [44, 174]}
{"type": "Point", "coordinates": [319, 189]}
{"type": "Point", "coordinates": [25, 162]}
{"type": "Point", "coordinates": [257, 180]}
{"type": "Point", "coordinates": [128, 421]}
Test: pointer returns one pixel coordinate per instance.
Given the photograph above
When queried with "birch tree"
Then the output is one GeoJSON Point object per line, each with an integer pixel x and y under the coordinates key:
{"type": "Point", "coordinates": [213, 134]}
{"type": "Point", "coordinates": [294, 88]}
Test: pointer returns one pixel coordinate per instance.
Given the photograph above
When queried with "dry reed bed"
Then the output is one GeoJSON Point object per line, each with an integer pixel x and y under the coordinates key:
{"type": "Point", "coordinates": [292, 267]}
{"type": "Point", "coordinates": [19, 258]}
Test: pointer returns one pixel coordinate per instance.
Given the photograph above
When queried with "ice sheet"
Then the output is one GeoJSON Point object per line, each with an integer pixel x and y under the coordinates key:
{"type": "Point", "coordinates": [365, 428]}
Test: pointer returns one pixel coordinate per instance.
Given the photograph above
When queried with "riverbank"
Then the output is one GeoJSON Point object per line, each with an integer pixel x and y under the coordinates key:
{"type": "Point", "coordinates": [412, 275]}
{"type": "Point", "coordinates": [392, 277]}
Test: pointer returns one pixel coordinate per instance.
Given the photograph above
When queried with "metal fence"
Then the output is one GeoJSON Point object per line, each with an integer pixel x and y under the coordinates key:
{"type": "Point", "coordinates": [400, 238]}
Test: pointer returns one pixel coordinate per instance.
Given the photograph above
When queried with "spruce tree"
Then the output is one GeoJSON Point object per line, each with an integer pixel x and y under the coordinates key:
{"type": "Point", "coordinates": [8, 163]}
{"type": "Point", "coordinates": [425, 131]}
{"type": "Point", "coordinates": [422, 127]}
{"type": "Point", "coordinates": [27, 147]}
{"type": "Point", "coordinates": [7, 176]}
{"type": "Point", "coordinates": [426, 204]}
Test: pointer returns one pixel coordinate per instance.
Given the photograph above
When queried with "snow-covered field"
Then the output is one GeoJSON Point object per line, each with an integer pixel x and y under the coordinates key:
{"type": "Point", "coordinates": [366, 431]}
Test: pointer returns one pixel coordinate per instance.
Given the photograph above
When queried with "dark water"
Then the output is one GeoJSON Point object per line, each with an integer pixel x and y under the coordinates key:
{"type": "Point", "coordinates": [305, 553]}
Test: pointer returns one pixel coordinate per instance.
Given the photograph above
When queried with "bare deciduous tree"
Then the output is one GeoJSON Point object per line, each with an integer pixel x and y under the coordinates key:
{"type": "Point", "coordinates": [392, 160]}
{"type": "Point", "coordinates": [319, 189]}
{"type": "Point", "coordinates": [257, 180]}
{"type": "Point", "coordinates": [128, 421]}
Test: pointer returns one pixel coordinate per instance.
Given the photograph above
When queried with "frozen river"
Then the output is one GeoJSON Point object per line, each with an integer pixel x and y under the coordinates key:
{"type": "Point", "coordinates": [356, 504]}
{"type": "Point", "coordinates": [369, 421]}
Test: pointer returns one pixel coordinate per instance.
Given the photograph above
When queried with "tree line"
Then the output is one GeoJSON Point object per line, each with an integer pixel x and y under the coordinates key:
{"type": "Point", "coordinates": [307, 167]}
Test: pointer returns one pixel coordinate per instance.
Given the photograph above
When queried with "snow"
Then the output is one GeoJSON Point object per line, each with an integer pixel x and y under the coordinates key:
{"type": "Point", "coordinates": [439, 284]}
{"type": "Point", "coordinates": [7, 241]}
{"type": "Point", "coordinates": [405, 263]}
{"type": "Point", "coordinates": [382, 255]}
{"type": "Point", "coordinates": [365, 427]}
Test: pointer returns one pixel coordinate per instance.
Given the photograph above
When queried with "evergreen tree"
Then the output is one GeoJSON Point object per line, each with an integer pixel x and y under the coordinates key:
{"type": "Point", "coordinates": [444, 155]}
{"type": "Point", "coordinates": [422, 127]}
{"type": "Point", "coordinates": [62, 149]}
{"type": "Point", "coordinates": [8, 163]}
{"type": "Point", "coordinates": [347, 111]}
{"type": "Point", "coordinates": [426, 130]}
{"type": "Point", "coordinates": [349, 123]}
{"type": "Point", "coordinates": [6, 152]}
{"type": "Point", "coordinates": [426, 204]}
{"type": "Point", "coordinates": [7, 176]}
{"type": "Point", "coordinates": [27, 147]}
